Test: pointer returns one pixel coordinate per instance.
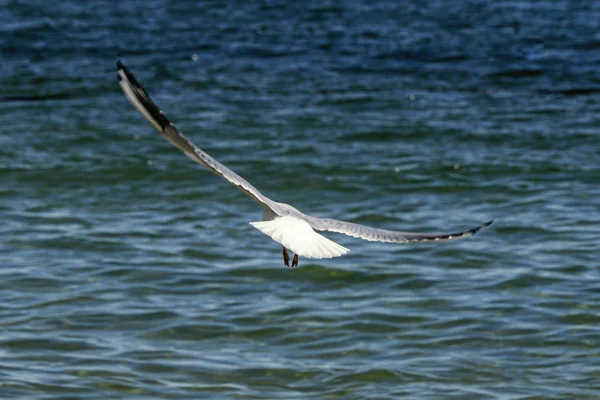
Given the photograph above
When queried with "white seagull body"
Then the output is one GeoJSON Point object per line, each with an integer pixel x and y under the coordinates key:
{"type": "Point", "coordinates": [281, 222]}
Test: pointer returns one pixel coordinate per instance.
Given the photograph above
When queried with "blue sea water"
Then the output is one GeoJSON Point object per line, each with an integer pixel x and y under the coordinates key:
{"type": "Point", "coordinates": [127, 271]}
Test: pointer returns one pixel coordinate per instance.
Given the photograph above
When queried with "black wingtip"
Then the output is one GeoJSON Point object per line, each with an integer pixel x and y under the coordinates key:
{"type": "Point", "coordinates": [142, 99]}
{"type": "Point", "coordinates": [480, 227]}
{"type": "Point", "coordinates": [129, 75]}
{"type": "Point", "coordinates": [120, 67]}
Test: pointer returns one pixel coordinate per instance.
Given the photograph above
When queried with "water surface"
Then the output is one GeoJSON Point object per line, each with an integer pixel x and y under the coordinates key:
{"type": "Point", "coordinates": [130, 272]}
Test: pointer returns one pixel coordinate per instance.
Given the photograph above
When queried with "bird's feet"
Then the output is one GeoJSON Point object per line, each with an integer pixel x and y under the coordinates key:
{"type": "Point", "coordinates": [295, 261]}
{"type": "Point", "coordinates": [286, 258]}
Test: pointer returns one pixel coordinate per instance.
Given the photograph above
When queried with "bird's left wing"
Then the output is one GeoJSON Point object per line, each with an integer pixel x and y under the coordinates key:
{"type": "Point", "coordinates": [384, 235]}
{"type": "Point", "coordinates": [150, 111]}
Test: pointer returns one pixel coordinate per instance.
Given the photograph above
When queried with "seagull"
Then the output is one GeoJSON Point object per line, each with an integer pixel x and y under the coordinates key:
{"type": "Point", "coordinates": [283, 223]}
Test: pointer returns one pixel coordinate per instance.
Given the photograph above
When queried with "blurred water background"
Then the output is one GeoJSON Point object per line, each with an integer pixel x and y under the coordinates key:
{"type": "Point", "coordinates": [127, 271]}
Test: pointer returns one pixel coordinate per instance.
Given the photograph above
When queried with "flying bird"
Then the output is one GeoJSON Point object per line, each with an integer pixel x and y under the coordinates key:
{"type": "Point", "coordinates": [283, 223]}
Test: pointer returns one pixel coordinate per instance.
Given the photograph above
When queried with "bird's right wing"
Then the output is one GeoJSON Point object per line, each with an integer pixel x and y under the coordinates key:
{"type": "Point", "coordinates": [384, 235]}
{"type": "Point", "coordinates": [150, 111]}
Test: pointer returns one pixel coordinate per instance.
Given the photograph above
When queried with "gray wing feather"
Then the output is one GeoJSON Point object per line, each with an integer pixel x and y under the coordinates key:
{"type": "Point", "coordinates": [384, 235]}
{"type": "Point", "coordinates": [150, 111]}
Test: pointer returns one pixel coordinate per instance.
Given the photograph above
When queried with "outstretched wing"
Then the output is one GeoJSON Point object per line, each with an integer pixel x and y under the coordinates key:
{"type": "Point", "coordinates": [383, 235]}
{"type": "Point", "coordinates": [150, 111]}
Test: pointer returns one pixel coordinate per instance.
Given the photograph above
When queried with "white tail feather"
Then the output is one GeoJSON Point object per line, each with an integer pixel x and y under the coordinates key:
{"type": "Point", "coordinates": [298, 236]}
